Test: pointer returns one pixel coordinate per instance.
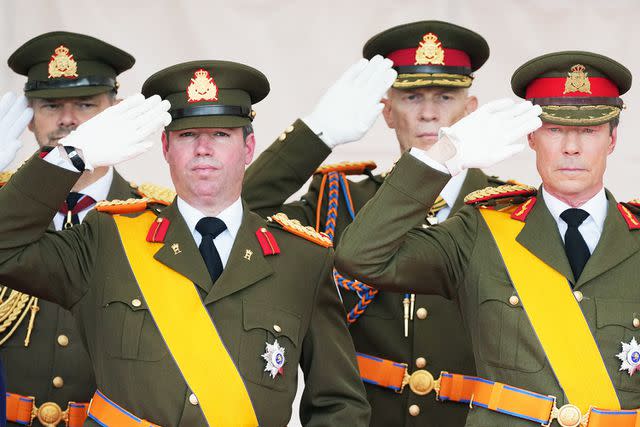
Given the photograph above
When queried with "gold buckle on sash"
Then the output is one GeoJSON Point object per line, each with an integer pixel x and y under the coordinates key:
{"type": "Point", "coordinates": [50, 414]}
{"type": "Point", "coordinates": [567, 415]}
{"type": "Point", "coordinates": [421, 382]}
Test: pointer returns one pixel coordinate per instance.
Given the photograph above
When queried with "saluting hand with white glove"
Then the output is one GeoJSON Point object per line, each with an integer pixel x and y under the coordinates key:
{"type": "Point", "coordinates": [15, 115]}
{"type": "Point", "coordinates": [351, 106]}
{"type": "Point", "coordinates": [120, 132]}
{"type": "Point", "coordinates": [487, 136]}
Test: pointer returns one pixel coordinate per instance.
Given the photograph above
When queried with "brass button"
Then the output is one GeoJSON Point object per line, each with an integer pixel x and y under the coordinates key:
{"type": "Point", "coordinates": [421, 313]}
{"type": "Point", "coordinates": [136, 302]}
{"type": "Point", "coordinates": [421, 362]}
{"type": "Point", "coordinates": [421, 382]}
{"type": "Point", "coordinates": [414, 410]}
{"type": "Point", "coordinates": [277, 328]}
{"type": "Point", "coordinates": [636, 322]}
{"type": "Point", "coordinates": [193, 399]}
{"type": "Point", "coordinates": [514, 300]}
{"type": "Point", "coordinates": [578, 295]}
{"type": "Point", "coordinates": [289, 129]}
{"type": "Point", "coordinates": [63, 340]}
{"type": "Point", "coordinates": [569, 416]}
{"type": "Point", "coordinates": [58, 382]}
{"type": "Point", "coordinates": [282, 137]}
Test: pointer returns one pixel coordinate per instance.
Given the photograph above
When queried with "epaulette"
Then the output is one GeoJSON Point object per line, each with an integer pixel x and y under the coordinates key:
{"type": "Point", "coordinates": [156, 193]}
{"type": "Point", "coordinates": [630, 212]}
{"type": "Point", "coordinates": [508, 194]}
{"type": "Point", "coordinates": [116, 206]}
{"type": "Point", "coordinates": [4, 177]}
{"type": "Point", "coordinates": [294, 226]}
{"type": "Point", "coordinates": [348, 168]}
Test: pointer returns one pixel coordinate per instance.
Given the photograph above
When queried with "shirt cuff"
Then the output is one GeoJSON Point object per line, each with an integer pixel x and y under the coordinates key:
{"type": "Point", "coordinates": [424, 158]}
{"type": "Point", "coordinates": [56, 158]}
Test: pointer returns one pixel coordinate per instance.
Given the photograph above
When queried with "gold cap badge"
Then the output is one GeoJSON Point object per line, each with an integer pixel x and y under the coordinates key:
{"type": "Point", "coordinates": [62, 64]}
{"type": "Point", "coordinates": [430, 51]}
{"type": "Point", "coordinates": [202, 87]}
{"type": "Point", "coordinates": [577, 80]}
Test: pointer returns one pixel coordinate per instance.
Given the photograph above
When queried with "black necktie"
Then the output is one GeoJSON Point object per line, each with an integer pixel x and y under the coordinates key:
{"type": "Point", "coordinates": [210, 228]}
{"type": "Point", "coordinates": [574, 244]}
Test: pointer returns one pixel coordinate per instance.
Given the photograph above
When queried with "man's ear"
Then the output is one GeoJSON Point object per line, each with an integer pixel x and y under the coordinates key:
{"type": "Point", "coordinates": [249, 148]}
{"type": "Point", "coordinates": [471, 104]}
{"type": "Point", "coordinates": [613, 140]}
{"type": "Point", "coordinates": [165, 143]}
{"type": "Point", "coordinates": [386, 111]}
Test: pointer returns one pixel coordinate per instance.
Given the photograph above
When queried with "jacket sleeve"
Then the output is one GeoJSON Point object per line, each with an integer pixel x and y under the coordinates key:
{"type": "Point", "coordinates": [281, 170]}
{"type": "Point", "coordinates": [334, 394]}
{"type": "Point", "coordinates": [55, 266]}
{"type": "Point", "coordinates": [388, 247]}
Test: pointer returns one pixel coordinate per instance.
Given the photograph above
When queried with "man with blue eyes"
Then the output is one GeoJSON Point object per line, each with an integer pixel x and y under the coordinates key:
{"type": "Point", "coordinates": [403, 340]}
{"type": "Point", "coordinates": [546, 279]}
{"type": "Point", "coordinates": [70, 79]}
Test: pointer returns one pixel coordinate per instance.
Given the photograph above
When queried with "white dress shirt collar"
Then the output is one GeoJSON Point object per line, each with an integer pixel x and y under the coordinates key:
{"type": "Point", "coordinates": [232, 217]}
{"type": "Point", "coordinates": [591, 228]}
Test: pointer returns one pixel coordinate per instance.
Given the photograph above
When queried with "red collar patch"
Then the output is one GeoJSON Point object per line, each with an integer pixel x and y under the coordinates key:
{"type": "Point", "coordinates": [523, 210]}
{"type": "Point", "coordinates": [267, 242]}
{"type": "Point", "coordinates": [629, 218]}
{"type": "Point", "coordinates": [158, 230]}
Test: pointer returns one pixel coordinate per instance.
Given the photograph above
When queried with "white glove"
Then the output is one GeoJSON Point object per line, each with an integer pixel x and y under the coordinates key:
{"type": "Point", "coordinates": [120, 132]}
{"type": "Point", "coordinates": [351, 106]}
{"type": "Point", "coordinates": [14, 118]}
{"type": "Point", "coordinates": [490, 134]}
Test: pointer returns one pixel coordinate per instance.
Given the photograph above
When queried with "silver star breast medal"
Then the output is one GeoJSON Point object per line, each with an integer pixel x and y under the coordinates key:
{"type": "Point", "coordinates": [630, 357]}
{"type": "Point", "coordinates": [275, 359]}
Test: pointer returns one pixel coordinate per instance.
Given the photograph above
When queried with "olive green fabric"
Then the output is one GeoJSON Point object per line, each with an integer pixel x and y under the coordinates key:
{"type": "Point", "coordinates": [235, 85]}
{"type": "Point", "coordinates": [30, 370]}
{"type": "Point", "coordinates": [451, 36]}
{"type": "Point", "coordinates": [384, 248]}
{"type": "Point", "coordinates": [281, 170]}
{"type": "Point", "coordinates": [582, 111]}
{"type": "Point", "coordinates": [85, 270]}
{"type": "Point", "coordinates": [94, 59]}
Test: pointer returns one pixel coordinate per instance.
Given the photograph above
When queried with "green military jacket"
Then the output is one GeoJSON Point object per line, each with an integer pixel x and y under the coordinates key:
{"type": "Point", "coordinates": [387, 248]}
{"type": "Point", "coordinates": [439, 338]}
{"type": "Point", "coordinates": [85, 270]}
{"type": "Point", "coordinates": [55, 349]}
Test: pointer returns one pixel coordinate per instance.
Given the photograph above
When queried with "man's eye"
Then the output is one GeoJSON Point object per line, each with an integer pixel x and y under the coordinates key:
{"type": "Point", "coordinates": [446, 97]}
{"type": "Point", "coordinates": [50, 106]}
{"type": "Point", "coordinates": [221, 134]}
{"type": "Point", "coordinates": [186, 134]}
{"type": "Point", "coordinates": [588, 130]}
{"type": "Point", "coordinates": [87, 105]}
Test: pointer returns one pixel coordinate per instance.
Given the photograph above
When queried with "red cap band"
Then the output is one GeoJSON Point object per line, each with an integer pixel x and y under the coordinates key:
{"type": "Point", "coordinates": [452, 58]}
{"type": "Point", "coordinates": [553, 87]}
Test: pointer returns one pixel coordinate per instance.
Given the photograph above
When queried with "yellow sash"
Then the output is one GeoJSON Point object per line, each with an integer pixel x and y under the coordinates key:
{"type": "Point", "coordinates": [556, 319]}
{"type": "Point", "coordinates": [187, 330]}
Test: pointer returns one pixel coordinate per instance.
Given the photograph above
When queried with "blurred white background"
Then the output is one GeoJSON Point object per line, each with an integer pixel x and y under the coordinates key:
{"type": "Point", "coordinates": [303, 47]}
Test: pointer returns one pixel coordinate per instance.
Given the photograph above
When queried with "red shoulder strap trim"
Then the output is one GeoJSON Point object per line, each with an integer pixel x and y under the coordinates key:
{"type": "Point", "coordinates": [267, 242]}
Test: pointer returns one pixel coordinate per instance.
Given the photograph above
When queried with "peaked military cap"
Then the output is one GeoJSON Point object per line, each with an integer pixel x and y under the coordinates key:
{"type": "Point", "coordinates": [574, 88]}
{"type": "Point", "coordinates": [209, 93]}
{"type": "Point", "coordinates": [62, 64]}
{"type": "Point", "coordinates": [430, 53]}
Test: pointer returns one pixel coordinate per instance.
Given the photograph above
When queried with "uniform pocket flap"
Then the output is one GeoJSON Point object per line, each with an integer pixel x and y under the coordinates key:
{"type": "Point", "coordinates": [128, 294]}
{"type": "Point", "coordinates": [278, 322]}
{"type": "Point", "coordinates": [617, 312]}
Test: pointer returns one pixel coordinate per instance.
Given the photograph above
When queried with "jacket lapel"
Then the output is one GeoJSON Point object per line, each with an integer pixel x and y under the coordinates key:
{"type": "Point", "coordinates": [616, 244]}
{"type": "Point", "coordinates": [541, 237]}
{"type": "Point", "coordinates": [184, 258]}
{"type": "Point", "coordinates": [246, 265]}
{"type": "Point", "coordinates": [475, 180]}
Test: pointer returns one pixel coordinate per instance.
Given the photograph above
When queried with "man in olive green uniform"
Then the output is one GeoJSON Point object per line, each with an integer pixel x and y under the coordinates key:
{"type": "Point", "coordinates": [199, 314]}
{"type": "Point", "coordinates": [434, 61]}
{"type": "Point", "coordinates": [546, 280]}
{"type": "Point", "coordinates": [70, 78]}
